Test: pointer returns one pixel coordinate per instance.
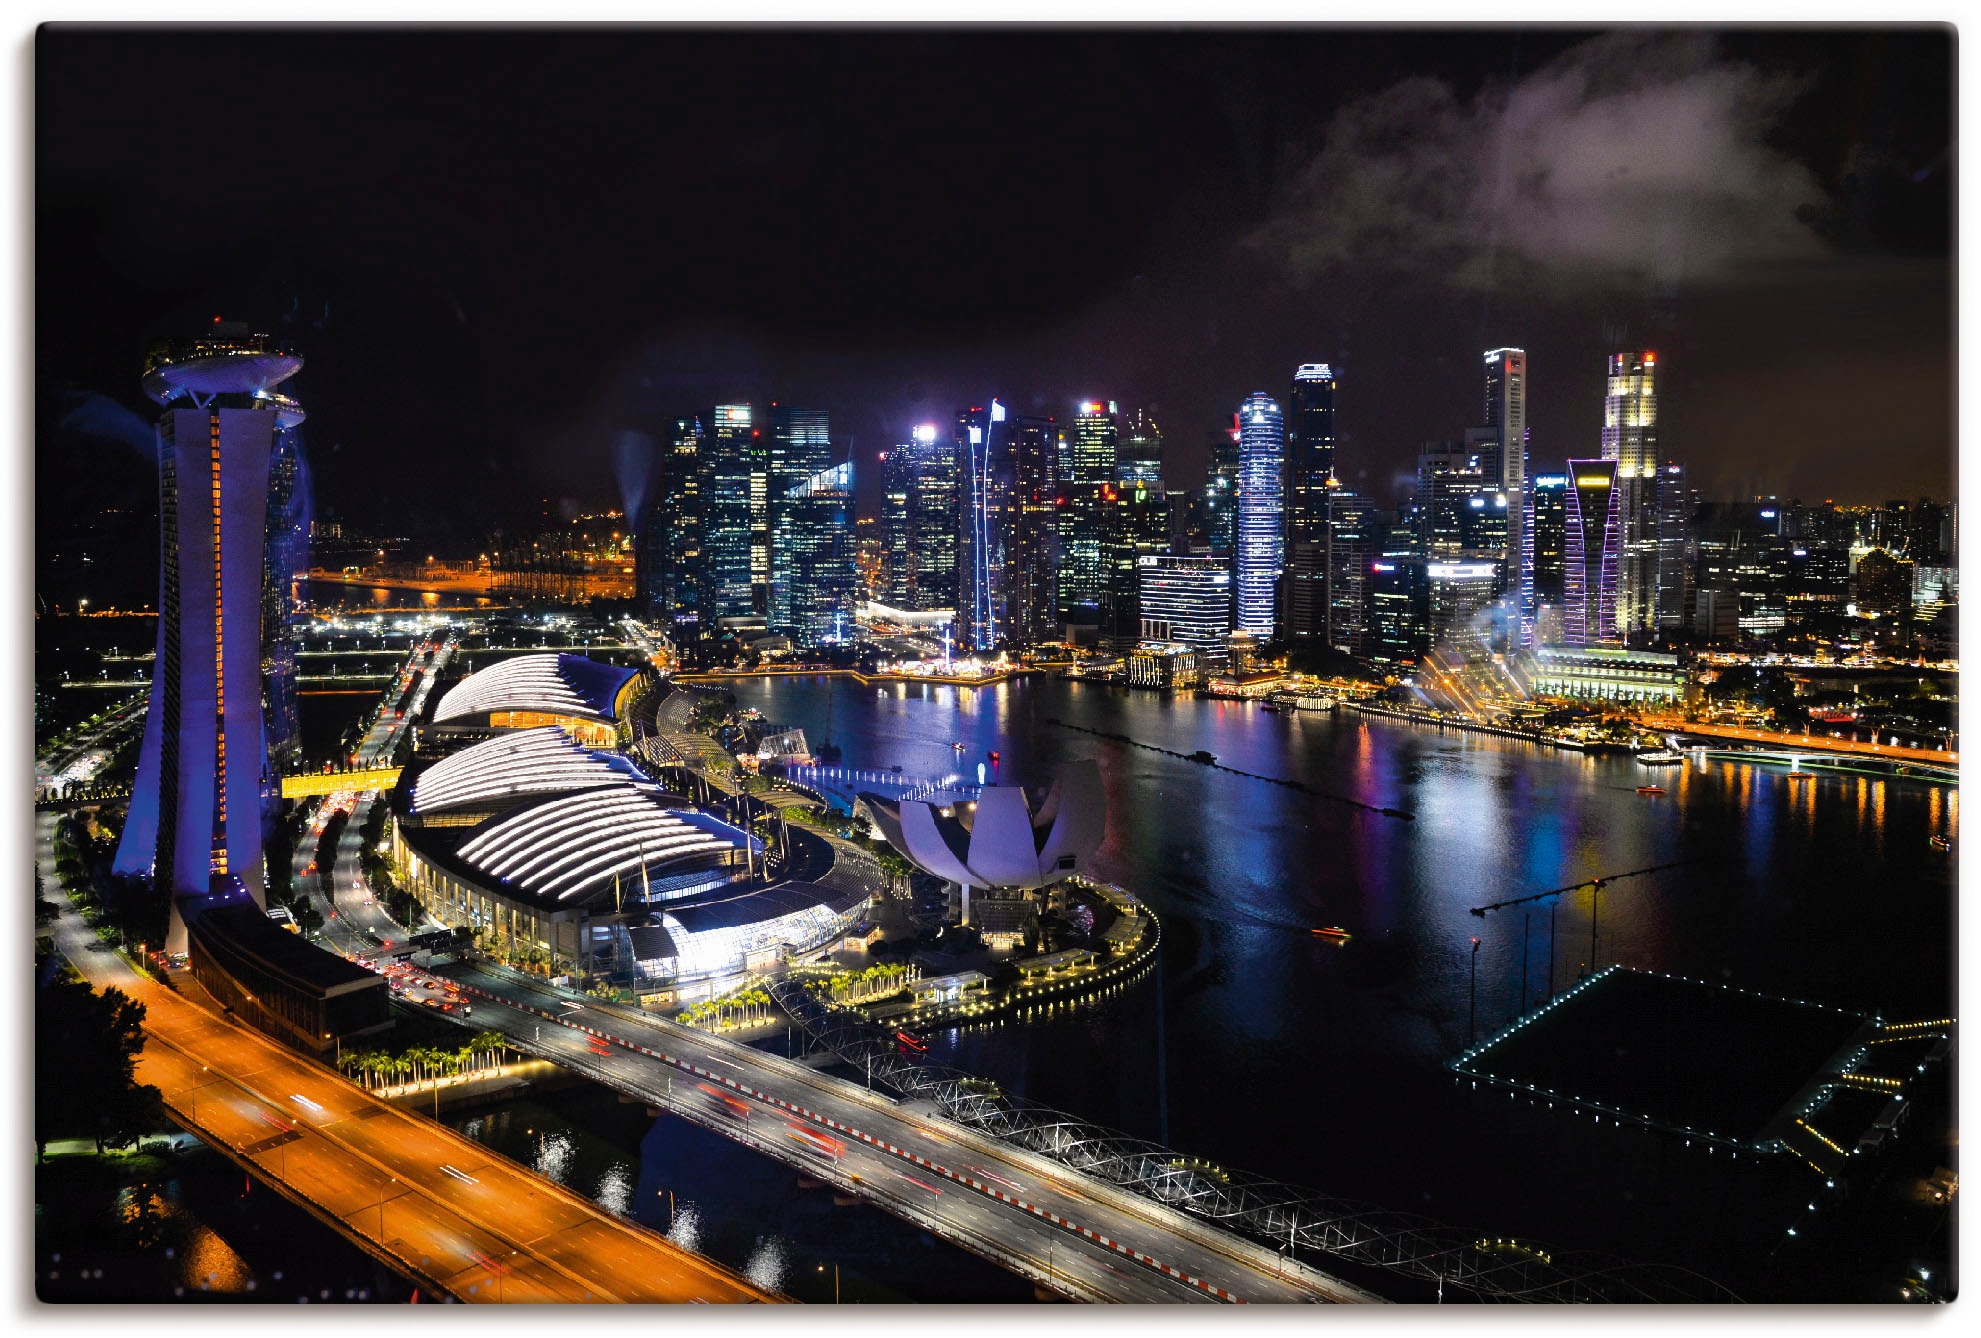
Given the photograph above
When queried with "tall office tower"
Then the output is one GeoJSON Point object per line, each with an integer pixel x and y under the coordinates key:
{"type": "Point", "coordinates": [732, 478]}
{"type": "Point", "coordinates": [667, 538]}
{"type": "Point", "coordinates": [1309, 483]}
{"type": "Point", "coordinates": [1354, 542]}
{"type": "Point", "coordinates": [1261, 514]}
{"type": "Point", "coordinates": [1591, 552]}
{"type": "Point", "coordinates": [1457, 596]}
{"type": "Point", "coordinates": [1007, 540]}
{"type": "Point", "coordinates": [1087, 473]}
{"type": "Point", "coordinates": [1187, 600]}
{"type": "Point", "coordinates": [897, 555]}
{"type": "Point", "coordinates": [1399, 614]}
{"type": "Point", "coordinates": [919, 521]}
{"type": "Point", "coordinates": [1677, 552]}
{"type": "Point", "coordinates": [812, 601]}
{"type": "Point", "coordinates": [1134, 525]}
{"type": "Point", "coordinates": [932, 509]}
{"type": "Point", "coordinates": [195, 820]}
{"type": "Point", "coordinates": [1630, 438]}
{"type": "Point", "coordinates": [1452, 483]}
{"type": "Point", "coordinates": [1506, 420]}
{"type": "Point", "coordinates": [798, 446]}
{"type": "Point", "coordinates": [1139, 458]}
{"type": "Point", "coordinates": [1547, 538]}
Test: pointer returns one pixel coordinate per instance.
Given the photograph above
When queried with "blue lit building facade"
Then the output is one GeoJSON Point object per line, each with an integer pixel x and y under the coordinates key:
{"type": "Point", "coordinates": [812, 594]}
{"type": "Point", "coordinates": [1591, 553]}
{"type": "Point", "coordinates": [197, 812]}
{"type": "Point", "coordinates": [732, 480]}
{"type": "Point", "coordinates": [1261, 536]}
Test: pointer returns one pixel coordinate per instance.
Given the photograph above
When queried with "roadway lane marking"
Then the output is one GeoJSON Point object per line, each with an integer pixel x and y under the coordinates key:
{"type": "Point", "coordinates": [917, 1159]}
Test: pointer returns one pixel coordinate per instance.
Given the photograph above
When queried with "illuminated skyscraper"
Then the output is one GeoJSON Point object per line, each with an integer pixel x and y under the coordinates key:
{"type": "Point", "coordinates": [1355, 531]}
{"type": "Point", "coordinates": [919, 521]}
{"type": "Point", "coordinates": [1086, 477]}
{"type": "Point", "coordinates": [196, 814]}
{"type": "Point", "coordinates": [1630, 438]}
{"type": "Point", "coordinates": [1139, 459]}
{"type": "Point", "coordinates": [733, 484]}
{"type": "Point", "coordinates": [1677, 548]}
{"type": "Point", "coordinates": [1007, 538]}
{"type": "Point", "coordinates": [1506, 419]}
{"type": "Point", "coordinates": [1592, 545]}
{"type": "Point", "coordinates": [667, 545]}
{"type": "Point", "coordinates": [812, 599]}
{"type": "Point", "coordinates": [797, 447]}
{"type": "Point", "coordinates": [1309, 481]}
{"type": "Point", "coordinates": [1261, 513]}
{"type": "Point", "coordinates": [1134, 525]}
{"type": "Point", "coordinates": [1547, 535]}
{"type": "Point", "coordinates": [1187, 600]}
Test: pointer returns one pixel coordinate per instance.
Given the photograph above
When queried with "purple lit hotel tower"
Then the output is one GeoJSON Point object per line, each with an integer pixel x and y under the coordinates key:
{"type": "Point", "coordinates": [196, 816]}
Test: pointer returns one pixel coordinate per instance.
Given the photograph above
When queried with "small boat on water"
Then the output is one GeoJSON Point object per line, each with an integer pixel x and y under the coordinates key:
{"type": "Point", "coordinates": [1942, 842]}
{"type": "Point", "coordinates": [1802, 775]}
{"type": "Point", "coordinates": [1664, 757]}
{"type": "Point", "coordinates": [1268, 706]}
{"type": "Point", "coordinates": [1332, 933]}
{"type": "Point", "coordinates": [1650, 789]}
{"type": "Point", "coordinates": [958, 746]}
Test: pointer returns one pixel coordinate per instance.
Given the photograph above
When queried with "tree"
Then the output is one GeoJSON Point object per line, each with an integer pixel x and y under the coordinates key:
{"type": "Point", "coordinates": [85, 1052]}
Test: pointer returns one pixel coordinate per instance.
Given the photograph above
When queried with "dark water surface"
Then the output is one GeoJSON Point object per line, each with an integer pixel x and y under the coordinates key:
{"type": "Point", "coordinates": [1284, 1055]}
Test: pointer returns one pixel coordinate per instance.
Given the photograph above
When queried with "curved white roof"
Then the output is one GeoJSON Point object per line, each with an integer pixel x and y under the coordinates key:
{"type": "Point", "coordinates": [530, 761]}
{"type": "Point", "coordinates": [575, 843]}
{"type": "Point", "coordinates": [564, 684]}
{"type": "Point", "coordinates": [1003, 843]}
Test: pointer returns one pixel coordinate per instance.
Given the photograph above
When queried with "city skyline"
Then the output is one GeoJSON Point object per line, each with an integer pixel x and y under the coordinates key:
{"type": "Point", "coordinates": [1183, 302]}
{"type": "Point", "coordinates": [1263, 665]}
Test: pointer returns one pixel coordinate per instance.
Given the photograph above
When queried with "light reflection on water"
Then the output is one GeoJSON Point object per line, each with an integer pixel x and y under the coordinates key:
{"type": "Point", "coordinates": [1824, 889]}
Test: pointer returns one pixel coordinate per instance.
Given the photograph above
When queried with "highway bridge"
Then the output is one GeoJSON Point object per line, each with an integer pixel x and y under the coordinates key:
{"type": "Point", "coordinates": [431, 1204]}
{"type": "Point", "coordinates": [1069, 1233]}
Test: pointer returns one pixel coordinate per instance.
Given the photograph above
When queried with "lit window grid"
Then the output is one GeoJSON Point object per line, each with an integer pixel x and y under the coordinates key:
{"type": "Point", "coordinates": [1261, 513]}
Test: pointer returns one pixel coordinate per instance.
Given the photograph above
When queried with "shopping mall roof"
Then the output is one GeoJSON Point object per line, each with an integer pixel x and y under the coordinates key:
{"type": "Point", "coordinates": [566, 848]}
{"type": "Point", "coordinates": [556, 684]}
{"type": "Point", "coordinates": [511, 767]}
{"type": "Point", "coordinates": [764, 903]}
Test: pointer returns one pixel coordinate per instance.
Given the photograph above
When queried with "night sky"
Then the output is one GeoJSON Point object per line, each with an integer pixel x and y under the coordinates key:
{"type": "Point", "coordinates": [502, 251]}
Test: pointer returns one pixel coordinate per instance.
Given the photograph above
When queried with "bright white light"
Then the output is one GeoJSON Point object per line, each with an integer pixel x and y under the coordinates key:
{"type": "Point", "coordinates": [925, 433]}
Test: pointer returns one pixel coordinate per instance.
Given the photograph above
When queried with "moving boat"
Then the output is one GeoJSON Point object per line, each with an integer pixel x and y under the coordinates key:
{"type": "Point", "coordinates": [1650, 789]}
{"type": "Point", "coordinates": [1333, 932]}
{"type": "Point", "coordinates": [1942, 842]}
{"type": "Point", "coordinates": [1663, 757]}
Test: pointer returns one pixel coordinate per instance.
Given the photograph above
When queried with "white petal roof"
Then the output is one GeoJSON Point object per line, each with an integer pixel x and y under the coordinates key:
{"type": "Point", "coordinates": [563, 684]}
{"type": "Point", "coordinates": [511, 766]}
{"type": "Point", "coordinates": [573, 844]}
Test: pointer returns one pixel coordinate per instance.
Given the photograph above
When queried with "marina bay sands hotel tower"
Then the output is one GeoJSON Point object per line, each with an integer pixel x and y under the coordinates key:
{"type": "Point", "coordinates": [196, 815]}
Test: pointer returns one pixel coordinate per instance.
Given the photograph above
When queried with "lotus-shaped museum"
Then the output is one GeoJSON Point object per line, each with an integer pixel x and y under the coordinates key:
{"type": "Point", "coordinates": [999, 839]}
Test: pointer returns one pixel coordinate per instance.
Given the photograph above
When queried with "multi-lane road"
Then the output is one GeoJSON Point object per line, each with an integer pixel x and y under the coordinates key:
{"type": "Point", "coordinates": [1070, 1232]}
{"type": "Point", "coordinates": [435, 1205]}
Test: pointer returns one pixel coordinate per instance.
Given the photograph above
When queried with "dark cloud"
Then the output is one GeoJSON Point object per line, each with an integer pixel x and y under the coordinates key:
{"type": "Point", "coordinates": [1635, 160]}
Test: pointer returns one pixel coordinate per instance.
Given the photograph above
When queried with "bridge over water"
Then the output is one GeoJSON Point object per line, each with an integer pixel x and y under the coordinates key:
{"type": "Point", "coordinates": [840, 786]}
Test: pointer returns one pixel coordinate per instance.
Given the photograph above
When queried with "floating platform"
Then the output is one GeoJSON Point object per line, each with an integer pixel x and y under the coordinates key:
{"type": "Point", "coordinates": [1693, 1058]}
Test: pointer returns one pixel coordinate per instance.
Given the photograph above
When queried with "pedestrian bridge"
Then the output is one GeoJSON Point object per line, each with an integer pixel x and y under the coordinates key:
{"type": "Point", "coordinates": [840, 786]}
{"type": "Point", "coordinates": [363, 779]}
